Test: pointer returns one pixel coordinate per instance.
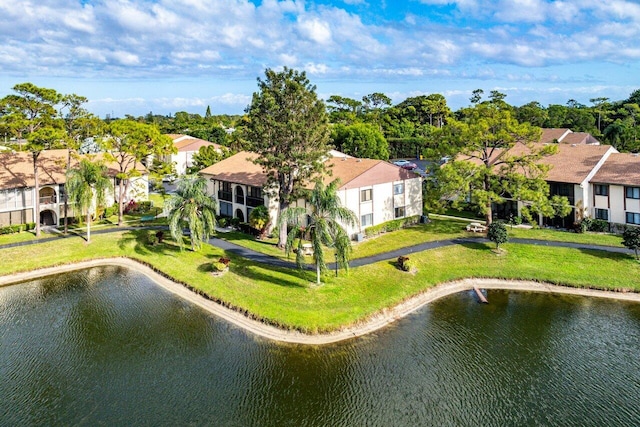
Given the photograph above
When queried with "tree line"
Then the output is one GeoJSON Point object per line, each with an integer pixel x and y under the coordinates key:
{"type": "Point", "coordinates": [374, 127]}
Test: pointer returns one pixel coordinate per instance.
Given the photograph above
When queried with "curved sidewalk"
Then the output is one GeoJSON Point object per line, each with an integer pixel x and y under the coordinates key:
{"type": "Point", "coordinates": [358, 262]}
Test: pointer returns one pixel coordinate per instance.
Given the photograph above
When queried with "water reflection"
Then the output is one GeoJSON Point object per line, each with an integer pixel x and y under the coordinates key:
{"type": "Point", "coordinates": [108, 346]}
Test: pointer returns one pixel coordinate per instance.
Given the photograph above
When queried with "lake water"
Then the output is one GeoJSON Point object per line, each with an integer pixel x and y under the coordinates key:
{"type": "Point", "coordinates": [106, 346]}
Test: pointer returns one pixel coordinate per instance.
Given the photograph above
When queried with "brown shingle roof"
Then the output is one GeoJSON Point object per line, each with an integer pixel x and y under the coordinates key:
{"type": "Point", "coordinates": [189, 143]}
{"type": "Point", "coordinates": [620, 169]}
{"type": "Point", "coordinates": [16, 169]}
{"type": "Point", "coordinates": [352, 172]}
{"type": "Point", "coordinates": [566, 136]}
{"type": "Point", "coordinates": [193, 144]}
{"type": "Point", "coordinates": [573, 163]}
{"type": "Point", "coordinates": [579, 138]}
{"type": "Point", "coordinates": [356, 173]}
{"type": "Point", "coordinates": [553, 134]}
{"type": "Point", "coordinates": [239, 169]}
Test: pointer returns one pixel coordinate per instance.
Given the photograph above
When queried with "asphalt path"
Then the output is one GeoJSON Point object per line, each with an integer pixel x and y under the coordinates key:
{"type": "Point", "coordinates": [358, 262]}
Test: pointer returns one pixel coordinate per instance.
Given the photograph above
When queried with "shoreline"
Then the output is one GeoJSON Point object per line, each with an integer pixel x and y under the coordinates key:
{"type": "Point", "coordinates": [374, 323]}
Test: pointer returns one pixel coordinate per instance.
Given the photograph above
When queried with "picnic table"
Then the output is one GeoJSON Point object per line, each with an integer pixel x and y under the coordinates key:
{"type": "Point", "coordinates": [307, 249]}
{"type": "Point", "coordinates": [476, 227]}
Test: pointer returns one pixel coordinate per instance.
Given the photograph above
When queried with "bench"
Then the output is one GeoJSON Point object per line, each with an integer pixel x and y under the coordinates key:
{"type": "Point", "coordinates": [145, 218]}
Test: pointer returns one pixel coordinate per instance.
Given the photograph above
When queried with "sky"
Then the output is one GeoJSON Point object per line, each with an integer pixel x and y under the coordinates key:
{"type": "Point", "coordinates": [163, 56]}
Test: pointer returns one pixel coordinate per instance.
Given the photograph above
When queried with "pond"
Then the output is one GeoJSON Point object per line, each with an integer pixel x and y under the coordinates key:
{"type": "Point", "coordinates": [108, 346]}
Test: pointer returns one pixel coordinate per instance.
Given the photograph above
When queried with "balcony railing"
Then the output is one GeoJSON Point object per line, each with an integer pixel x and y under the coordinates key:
{"type": "Point", "coordinates": [225, 195]}
{"type": "Point", "coordinates": [254, 201]}
{"type": "Point", "coordinates": [240, 199]}
{"type": "Point", "coordinates": [48, 200]}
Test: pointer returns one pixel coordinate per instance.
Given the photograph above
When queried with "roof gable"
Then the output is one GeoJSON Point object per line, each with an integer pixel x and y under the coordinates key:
{"type": "Point", "coordinates": [619, 169]}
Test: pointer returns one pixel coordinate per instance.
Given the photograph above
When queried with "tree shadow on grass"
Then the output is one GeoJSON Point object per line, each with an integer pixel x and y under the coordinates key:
{"type": "Point", "coordinates": [606, 255]}
{"type": "Point", "coordinates": [286, 277]}
{"type": "Point", "coordinates": [484, 246]}
{"type": "Point", "coordinates": [141, 243]}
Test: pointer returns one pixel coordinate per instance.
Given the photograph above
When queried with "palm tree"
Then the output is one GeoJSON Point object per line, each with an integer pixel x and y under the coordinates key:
{"type": "Point", "coordinates": [86, 182]}
{"type": "Point", "coordinates": [325, 217]}
{"type": "Point", "coordinates": [190, 206]}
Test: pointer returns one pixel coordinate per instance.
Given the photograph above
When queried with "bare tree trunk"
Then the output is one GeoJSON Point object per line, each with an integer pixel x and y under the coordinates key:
{"type": "Point", "coordinates": [120, 202]}
{"type": "Point", "coordinates": [489, 215]}
{"type": "Point", "coordinates": [317, 273]}
{"type": "Point", "coordinates": [88, 227]}
{"type": "Point", "coordinates": [282, 233]}
{"type": "Point", "coordinates": [37, 191]}
{"type": "Point", "coordinates": [66, 204]}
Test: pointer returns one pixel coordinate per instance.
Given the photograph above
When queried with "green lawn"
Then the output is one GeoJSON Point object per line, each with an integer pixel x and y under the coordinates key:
{"type": "Point", "coordinates": [288, 298]}
{"type": "Point", "coordinates": [437, 229]}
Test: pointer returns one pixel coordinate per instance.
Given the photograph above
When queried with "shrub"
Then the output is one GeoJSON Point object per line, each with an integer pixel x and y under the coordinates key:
{"type": "Point", "coordinates": [590, 224]}
{"type": "Point", "coordinates": [631, 239]}
{"type": "Point", "coordinates": [409, 265]}
{"type": "Point", "coordinates": [497, 233]}
{"type": "Point", "coordinates": [110, 211]}
{"type": "Point", "coordinates": [152, 239]}
{"type": "Point", "coordinates": [225, 261]}
{"type": "Point", "coordinates": [222, 222]}
{"type": "Point", "coordinates": [145, 206]}
{"type": "Point", "coordinates": [580, 227]}
{"type": "Point", "coordinates": [10, 229]}
{"type": "Point", "coordinates": [160, 236]}
{"type": "Point", "coordinates": [235, 221]}
{"type": "Point", "coordinates": [598, 225]}
{"type": "Point", "coordinates": [218, 266]}
{"type": "Point", "coordinates": [392, 225]}
{"type": "Point", "coordinates": [131, 207]}
{"type": "Point", "coordinates": [402, 260]}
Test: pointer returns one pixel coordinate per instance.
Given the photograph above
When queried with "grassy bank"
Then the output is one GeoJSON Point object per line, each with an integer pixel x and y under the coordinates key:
{"type": "Point", "coordinates": [288, 298]}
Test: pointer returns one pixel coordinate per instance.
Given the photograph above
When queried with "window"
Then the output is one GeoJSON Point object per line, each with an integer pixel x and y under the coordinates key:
{"type": "Point", "coordinates": [633, 218]}
{"type": "Point", "coordinates": [602, 190]}
{"type": "Point", "coordinates": [365, 195]}
{"type": "Point", "coordinates": [399, 212]}
{"type": "Point", "coordinates": [255, 192]}
{"type": "Point", "coordinates": [226, 209]}
{"type": "Point", "coordinates": [226, 186]}
{"type": "Point", "coordinates": [632, 192]}
{"type": "Point", "coordinates": [366, 220]}
{"type": "Point", "coordinates": [398, 188]}
{"type": "Point", "coordinates": [602, 214]}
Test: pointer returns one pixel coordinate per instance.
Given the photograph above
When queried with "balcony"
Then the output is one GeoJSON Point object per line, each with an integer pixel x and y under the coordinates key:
{"type": "Point", "coordinates": [225, 195]}
{"type": "Point", "coordinates": [48, 200]}
{"type": "Point", "coordinates": [240, 199]}
{"type": "Point", "coordinates": [254, 201]}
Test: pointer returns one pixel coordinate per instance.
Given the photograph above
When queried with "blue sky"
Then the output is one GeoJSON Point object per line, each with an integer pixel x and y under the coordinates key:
{"type": "Point", "coordinates": [136, 56]}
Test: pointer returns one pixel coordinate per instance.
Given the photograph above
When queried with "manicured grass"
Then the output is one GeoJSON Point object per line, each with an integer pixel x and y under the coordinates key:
{"type": "Point", "coordinates": [437, 229]}
{"type": "Point", "coordinates": [24, 236]}
{"type": "Point", "coordinates": [566, 236]}
{"type": "Point", "coordinates": [158, 201]}
{"type": "Point", "coordinates": [287, 297]}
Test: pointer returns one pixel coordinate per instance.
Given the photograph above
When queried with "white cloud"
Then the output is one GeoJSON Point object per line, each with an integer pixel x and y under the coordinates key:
{"type": "Point", "coordinates": [237, 39]}
{"type": "Point", "coordinates": [315, 30]}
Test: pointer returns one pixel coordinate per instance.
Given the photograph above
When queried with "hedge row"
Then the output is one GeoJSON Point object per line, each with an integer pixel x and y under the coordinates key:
{"type": "Point", "coordinates": [10, 229]}
{"type": "Point", "coordinates": [392, 225]}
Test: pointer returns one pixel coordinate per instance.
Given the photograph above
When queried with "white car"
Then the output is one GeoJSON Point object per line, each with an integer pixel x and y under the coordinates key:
{"type": "Point", "coordinates": [405, 164]}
